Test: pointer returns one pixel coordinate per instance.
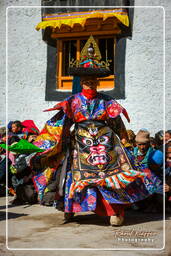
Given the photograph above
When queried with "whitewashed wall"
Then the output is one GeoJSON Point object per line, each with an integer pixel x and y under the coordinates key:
{"type": "Point", "coordinates": [144, 70]}
{"type": "Point", "coordinates": [144, 66]}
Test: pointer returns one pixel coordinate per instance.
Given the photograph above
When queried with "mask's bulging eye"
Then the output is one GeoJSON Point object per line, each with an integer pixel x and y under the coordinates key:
{"type": "Point", "coordinates": [88, 142]}
{"type": "Point", "coordinates": [103, 140]}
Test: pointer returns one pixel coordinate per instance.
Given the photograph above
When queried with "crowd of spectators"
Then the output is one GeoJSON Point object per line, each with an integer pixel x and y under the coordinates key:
{"type": "Point", "coordinates": [19, 176]}
{"type": "Point", "coordinates": [16, 177]}
{"type": "Point", "coordinates": [153, 153]}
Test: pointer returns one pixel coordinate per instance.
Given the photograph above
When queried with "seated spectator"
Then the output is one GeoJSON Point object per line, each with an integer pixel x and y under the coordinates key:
{"type": "Point", "coordinates": [16, 127]}
{"type": "Point", "coordinates": [153, 159]}
{"type": "Point", "coordinates": [131, 137]}
{"type": "Point", "coordinates": [24, 189]}
{"type": "Point", "coordinates": [129, 143]}
{"type": "Point", "coordinates": [5, 160]}
{"type": "Point", "coordinates": [3, 167]}
{"type": "Point", "coordinates": [143, 148]}
{"type": "Point", "coordinates": [167, 136]}
{"type": "Point", "coordinates": [168, 159]}
{"type": "Point", "coordinates": [3, 138]}
{"type": "Point", "coordinates": [155, 163]}
{"type": "Point", "coordinates": [10, 138]}
{"type": "Point", "coordinates": [22, 182]}
{"type": "Point", "coordinates": [9, 126]}
{"type": "Point", "coordinates": [159, 139]}
{"type": "Point", "coordinates": [15, 133]}
{"type": "Point", "coordinates": [21, 130]}
{"type": "Point", "coordinates": [167, 186]}
{"type": "Point", "coordinates": [153, 143]}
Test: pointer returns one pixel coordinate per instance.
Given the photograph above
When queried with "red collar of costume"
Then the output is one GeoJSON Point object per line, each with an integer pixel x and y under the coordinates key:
{"type": "Point", "coordinates": [89, 93]}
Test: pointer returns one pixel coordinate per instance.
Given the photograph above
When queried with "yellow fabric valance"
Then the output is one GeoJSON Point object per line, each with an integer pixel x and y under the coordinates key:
{"type": "Point", "coordinates": [69, 19]}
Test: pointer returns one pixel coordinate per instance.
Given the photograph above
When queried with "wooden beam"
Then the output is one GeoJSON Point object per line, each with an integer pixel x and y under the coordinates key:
{"type": "Point", "coordinates": [114, 53]}
{"type": "Point", "coordinates": [83, 34]}
{"type": "Point", "coordinates": [59, 66]}
{"type": "Point", "coordinates": [78, 50]}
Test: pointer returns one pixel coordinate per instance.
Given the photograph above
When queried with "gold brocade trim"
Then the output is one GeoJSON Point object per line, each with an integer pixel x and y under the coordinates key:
{"type": "Point", "coordinates": [52, 133]}
{"type": "Point", "coordinates": [54, 130]}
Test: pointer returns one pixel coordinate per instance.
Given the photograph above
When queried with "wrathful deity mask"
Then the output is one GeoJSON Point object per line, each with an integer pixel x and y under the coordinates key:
{"type": "Point", "coordinates": [94, 153]}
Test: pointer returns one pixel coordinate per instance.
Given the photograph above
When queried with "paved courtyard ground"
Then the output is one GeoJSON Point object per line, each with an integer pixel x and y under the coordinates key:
{"type": "Point", "coordinates": [39, 230]}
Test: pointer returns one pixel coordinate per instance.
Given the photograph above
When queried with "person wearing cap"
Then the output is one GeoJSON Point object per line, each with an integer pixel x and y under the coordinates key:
{"type": "Point", "coordinates": [95, 172]}
{"type": "Point", "coordinates": [143, 148]}
{"type": "Point", "coordinates": [146, 155]}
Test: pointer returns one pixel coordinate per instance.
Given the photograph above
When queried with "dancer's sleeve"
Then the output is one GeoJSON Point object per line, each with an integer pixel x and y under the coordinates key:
{"type": "Point", "coordinates": [55, 139]}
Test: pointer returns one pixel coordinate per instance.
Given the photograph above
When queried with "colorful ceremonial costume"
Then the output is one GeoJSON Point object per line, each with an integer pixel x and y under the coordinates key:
{"type": "Point", "coordinates": [84, 152]}
{"type": "Point", "coordinates": [94, 169]}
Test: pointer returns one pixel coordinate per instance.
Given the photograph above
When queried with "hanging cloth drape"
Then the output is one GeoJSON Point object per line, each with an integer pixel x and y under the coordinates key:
{"type": "Point", "coordinates": [70, 19]}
